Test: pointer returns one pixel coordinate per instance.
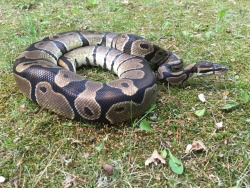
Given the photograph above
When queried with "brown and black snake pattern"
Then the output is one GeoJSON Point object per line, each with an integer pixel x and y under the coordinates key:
{"type": "Point", "coordinates": [46, 73]}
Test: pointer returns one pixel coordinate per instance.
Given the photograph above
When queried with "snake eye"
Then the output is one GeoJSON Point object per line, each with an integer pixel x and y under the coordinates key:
{"type": "Point", "coordinates": [205, 71]}
{"type": "Point", "coordinates": [55, 37]}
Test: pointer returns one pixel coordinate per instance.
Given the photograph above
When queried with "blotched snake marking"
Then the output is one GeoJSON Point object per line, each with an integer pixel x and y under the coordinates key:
{"type": "Point", "coordinates": [46, 73]}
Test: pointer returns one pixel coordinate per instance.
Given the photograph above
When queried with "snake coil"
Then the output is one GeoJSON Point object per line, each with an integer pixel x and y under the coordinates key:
{"type": "Point", "coordinates": [46, 73]}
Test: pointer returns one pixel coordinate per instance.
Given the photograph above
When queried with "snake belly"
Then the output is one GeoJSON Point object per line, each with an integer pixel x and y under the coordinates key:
{"type": "Point", "coordinates": [46, 73]}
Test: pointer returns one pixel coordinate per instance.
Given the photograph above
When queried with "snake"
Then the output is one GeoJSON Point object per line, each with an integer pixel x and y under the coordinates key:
{"type": "Point", "coordinates": [46, 73]}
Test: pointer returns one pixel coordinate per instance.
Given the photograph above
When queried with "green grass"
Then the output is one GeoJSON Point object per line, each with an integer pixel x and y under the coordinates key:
{"type": "Point", "coordinates": [40, 149]}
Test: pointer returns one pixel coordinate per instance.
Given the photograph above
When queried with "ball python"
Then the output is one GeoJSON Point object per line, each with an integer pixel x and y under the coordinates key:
{"type": "Point", "coordinates": [46, 73]}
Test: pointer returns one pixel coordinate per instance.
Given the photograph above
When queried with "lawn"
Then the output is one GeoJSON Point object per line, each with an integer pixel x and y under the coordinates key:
{"type": "Point", "coordinates": [42, 149]}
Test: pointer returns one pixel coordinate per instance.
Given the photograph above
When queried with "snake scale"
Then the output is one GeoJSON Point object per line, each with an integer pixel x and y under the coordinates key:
{"type": "Point", "coordinates": [46, 73]}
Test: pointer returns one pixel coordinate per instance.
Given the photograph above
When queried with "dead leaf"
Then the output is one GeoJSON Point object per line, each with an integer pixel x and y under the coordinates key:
{"type": "Point", "coordinates": [2, 179]}
{"type": "Point", "coordinates": [195, 146]}
{"type": "Point", "coordinates": [202, 97]}
{"type": "Point", "coordinates": [22, 108]}
{"type": "Point", "coordinates": [198, 145]}
{"type": "Point", "coordinates": [69, 180]}
{"type": "Point", "coordinates": [219, 125]}
{"type": "Point", "coordinates": [225, 95]}
{"type": "Point", "coordinates": [189, 148]}
{"type": "Point", "coordinates": [66, 161]}
{"type": "Point", "coordinates": [86, 155]}
{"type": "Point", "coordinates": [125, 2]}
{"type": "Point", "coordinates": [158, 177]}
{"type": "Point", "coordinates": [16, 139]}
{"type": "Point", "coordinates": [173, 120]}
{"type": "Point", "coordinates": [108, 169]}
{"type": "Point", "coordinates": [155, 157]}
{"type": "Point", "coordinates": [74, 141]}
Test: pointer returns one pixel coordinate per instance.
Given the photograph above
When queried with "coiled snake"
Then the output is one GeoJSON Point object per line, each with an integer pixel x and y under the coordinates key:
{"type": "Point", "coordinates": [45, 72]}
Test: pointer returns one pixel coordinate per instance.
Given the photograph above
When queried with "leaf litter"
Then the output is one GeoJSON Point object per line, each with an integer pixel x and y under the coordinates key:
{"type": "Point", "coordinates": [175, 164]}
{"type": "Point", "coordinates": [155, 158]}
{"type": "Point", "coordinates": [195, 146]}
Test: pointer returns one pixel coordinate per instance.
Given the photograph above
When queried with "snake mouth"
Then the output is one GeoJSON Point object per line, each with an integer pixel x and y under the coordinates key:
{"type": "Point", "coordinates": [219, 69]}
{"type": "Point", "coordinates": [205, 68]}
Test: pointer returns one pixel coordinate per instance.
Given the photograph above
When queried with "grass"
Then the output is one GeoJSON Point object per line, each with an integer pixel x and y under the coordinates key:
{"type": "Point", "coordinates": [42, 149]}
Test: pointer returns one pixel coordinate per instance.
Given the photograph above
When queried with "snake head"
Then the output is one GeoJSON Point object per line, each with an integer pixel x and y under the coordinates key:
{"type": "Point", "coordinates": [204, 68]}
